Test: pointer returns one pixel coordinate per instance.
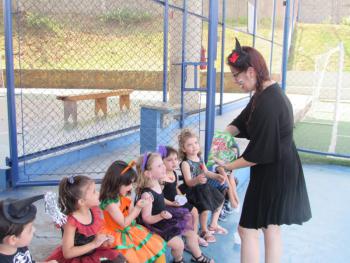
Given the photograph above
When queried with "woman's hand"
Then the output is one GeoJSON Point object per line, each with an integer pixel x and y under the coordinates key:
{"type": "Point", "coordinates": [166, 215]}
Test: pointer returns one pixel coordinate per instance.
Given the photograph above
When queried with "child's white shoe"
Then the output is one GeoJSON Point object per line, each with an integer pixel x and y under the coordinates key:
{"type": "Point", "coordinates": [237, 238]}
{"type": "Point", "coordinates": [237, 209]}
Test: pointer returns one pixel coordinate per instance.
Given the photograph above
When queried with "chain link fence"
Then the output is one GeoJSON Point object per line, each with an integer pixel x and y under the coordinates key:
{"type": "Point", "coordinates": [98, 81]}
{"type": "Point", "coordinates": [90, 75]}
{"type": "Point", "coordinates": [319, 71]}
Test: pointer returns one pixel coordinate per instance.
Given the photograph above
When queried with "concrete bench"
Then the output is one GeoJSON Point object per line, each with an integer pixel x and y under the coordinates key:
{"type": "Point", "coordinates": [71, 108]}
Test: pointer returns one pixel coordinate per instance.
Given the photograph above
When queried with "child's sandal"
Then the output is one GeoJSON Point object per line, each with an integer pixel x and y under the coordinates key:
{"type": "Point", "coordinates": [201, 259]}
{"type": "Point", "coordinates": [207, 236]}
{"type": "Point", "coordinates": [218, 230]}
{"type": "Point", "coordinates": [180, 261]}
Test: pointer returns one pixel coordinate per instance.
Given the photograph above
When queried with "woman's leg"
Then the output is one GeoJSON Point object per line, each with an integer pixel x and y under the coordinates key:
{"type": "Point", "coordinates": [177, 247]}
{"type": "Point", "coordinates": [249, 245]}
{"type": "Point", "coordinates": [273, 243]}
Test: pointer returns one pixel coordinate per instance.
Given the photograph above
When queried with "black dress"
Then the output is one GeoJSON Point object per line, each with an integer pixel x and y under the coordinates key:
{"type": "Point", "coordinates": [276, 192]}
{"type": "Point", "coordinates": [204, 197]}
{"type": "Point", "coordinates": [179, 224]}
{"type": "Point", "coordinates": [169, 192]}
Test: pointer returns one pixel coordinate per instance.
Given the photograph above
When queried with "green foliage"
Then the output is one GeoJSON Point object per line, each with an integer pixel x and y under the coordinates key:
{"type": "Point", "coordinates": [41, 22]}
{"type": "Point", "coordinates": [124, 16]}
{"type": "Point", "coordinates": [346, 21]}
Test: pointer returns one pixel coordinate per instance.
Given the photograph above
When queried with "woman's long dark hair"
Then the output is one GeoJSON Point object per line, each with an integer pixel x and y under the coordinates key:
{"type": "Point", "coordinates": [250, 57]}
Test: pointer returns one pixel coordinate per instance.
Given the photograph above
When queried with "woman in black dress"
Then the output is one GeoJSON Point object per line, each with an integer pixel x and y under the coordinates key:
{"type": "Point", "coordinates": [276, 193]}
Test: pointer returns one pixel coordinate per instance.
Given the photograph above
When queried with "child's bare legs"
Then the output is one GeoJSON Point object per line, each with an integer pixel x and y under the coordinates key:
{"type": "Point", "coordinates": [194, 213]}
{"type": "Point", "coordinates": [231, 191]}
{"type": "Point", "coordinates": [215, 216]}
{"type": "Point", "coordinates": [192, 244]}
{"type": "Point", "coordinates": [203, 218]}
{"type": "Point", "coordinates": [233, 186]}
{"type": "Point", "coordinates": [177, 247]}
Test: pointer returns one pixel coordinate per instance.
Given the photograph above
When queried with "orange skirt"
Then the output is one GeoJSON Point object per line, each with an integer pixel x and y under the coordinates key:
{"type": "Point", "coordinates": [137, 244]}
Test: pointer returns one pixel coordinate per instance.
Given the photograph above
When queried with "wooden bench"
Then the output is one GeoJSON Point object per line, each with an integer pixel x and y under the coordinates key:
{"type": "Point", "coordinates": [70, 102]}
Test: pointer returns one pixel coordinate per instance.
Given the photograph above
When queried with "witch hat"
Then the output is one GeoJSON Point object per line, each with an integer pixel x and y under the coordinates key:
{"type": "Point", "coordinates": [238, 57]}
{"type": "Point", "coordinates": [238, 47]}
{"type": "Point", "coordinates": [20, 211]}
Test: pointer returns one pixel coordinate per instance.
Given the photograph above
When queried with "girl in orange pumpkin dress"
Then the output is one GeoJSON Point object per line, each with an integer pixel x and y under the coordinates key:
{"type": "Point", "coordinates": [134, 241]}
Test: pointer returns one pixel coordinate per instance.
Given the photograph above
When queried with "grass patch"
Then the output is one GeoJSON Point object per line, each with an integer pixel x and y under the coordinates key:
{"type": "Point", "coordinates": [42, 23]}
{"type": "Point", "coordinates": [311, 40]}
{"type": "Point", "coordinates": [124, 16]}
{"type": "Point", "coordinates": [320, 159]}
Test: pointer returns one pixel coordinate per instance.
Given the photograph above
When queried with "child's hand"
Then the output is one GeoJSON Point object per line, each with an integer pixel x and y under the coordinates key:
{"type": "Point", "coordinates": [221, 178]}
{"type": "Point", "coordinates": [166, 215]}
{"type": "Point", "coordinates": [175, 203]}
{"type": "Point", "coordinates": [202, 179]}
{"type": "Point", "coordinates": [142, 203]}
{"type": "Point", "coordinates": [100, 239]}
{"type": "Point", "coordinates": [109, 242]}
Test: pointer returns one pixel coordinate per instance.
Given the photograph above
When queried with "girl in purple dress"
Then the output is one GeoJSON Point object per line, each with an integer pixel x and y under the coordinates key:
{"type": "Point", "coordinates": [169, 222]}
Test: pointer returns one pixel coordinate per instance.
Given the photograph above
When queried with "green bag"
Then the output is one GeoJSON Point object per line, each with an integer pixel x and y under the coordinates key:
{"type": "Point", "coordinates": [222, 147]}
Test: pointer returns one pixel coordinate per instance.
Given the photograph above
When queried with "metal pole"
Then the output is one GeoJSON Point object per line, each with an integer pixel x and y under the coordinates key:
{"type": "Point", "coordinates": [10, 85]}
{"type": "Point", "coordinates": [165, 49]}
{"type": "Point", "coordinates": [183, 67]}
{"type": "Point", "coordinates": [254, 25]}
{"type": "Point", "coordinates": [222, 54]}
{"type": "Point", "coordinates": [273, 34]}
{"type": "Point", "coordinates": [285, 45]}
{"type": "Point", "coordinates": [211, 81]}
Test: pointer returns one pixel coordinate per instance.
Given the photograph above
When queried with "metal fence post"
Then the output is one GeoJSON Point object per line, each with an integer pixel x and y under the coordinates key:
{"type": "Point", "coordinates": [285, 45]}
{"type": "Point", "coordinates": [165, 49]}
{"type": "Point", "coordinates": [10, 84]}
{"type": "Point", "coordinates": [211, 77]}
{"type": "Point", "coordinates": [222, 73]}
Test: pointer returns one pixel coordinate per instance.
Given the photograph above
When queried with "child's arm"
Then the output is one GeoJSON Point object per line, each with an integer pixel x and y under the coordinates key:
{"type": "Point", "coordinates": [186, 172]}
{"type": "Point", "coordinates": [71, 251]}
{"type": "Point", "coordinates": [146, 214]}
{"type": "Point", "coordinates": [215, 176]}
{"type": "Point", "coordinates": [171, 203]}
{"type": "Point", "coordinates": [117, 215]}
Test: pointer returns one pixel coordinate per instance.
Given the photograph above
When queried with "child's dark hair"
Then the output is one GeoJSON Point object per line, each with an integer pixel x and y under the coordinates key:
{"type": "Point", "coordinates": [114, 179]}
{"type": "Point", "coordinates": [170, 150]}
{"type": "Point", "coordinates": [70, 191]}
{"type": "Point", "coordinates": [8, 228]}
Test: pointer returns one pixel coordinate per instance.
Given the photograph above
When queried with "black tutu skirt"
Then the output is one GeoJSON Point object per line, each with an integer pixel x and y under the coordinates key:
{"type": "Point", "coordinates": [204, 197]}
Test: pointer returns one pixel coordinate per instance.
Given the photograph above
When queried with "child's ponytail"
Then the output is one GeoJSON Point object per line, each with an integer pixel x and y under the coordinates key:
{"type": "Point", "coordinates": [70, 191]}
